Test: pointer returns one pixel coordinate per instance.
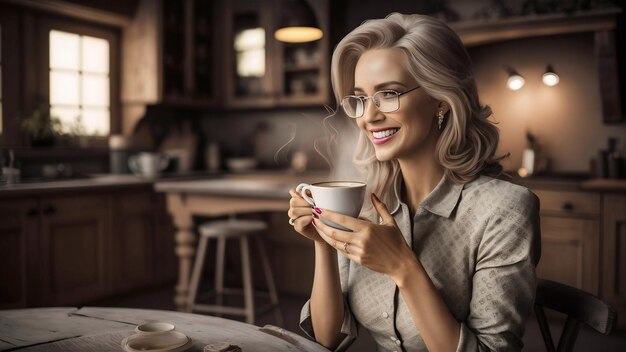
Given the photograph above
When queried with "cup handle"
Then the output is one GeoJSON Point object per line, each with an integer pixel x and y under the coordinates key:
{"type": "Point", "coordinates": [133, 165]}
{"type": "Point", "coordinates": [165, 160]}
{"type": "Point", "coordinates": [302, 188]}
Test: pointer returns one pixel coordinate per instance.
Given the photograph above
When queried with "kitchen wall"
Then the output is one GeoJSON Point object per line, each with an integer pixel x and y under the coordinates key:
{"type": "Point", "coordinates": [566, 118]}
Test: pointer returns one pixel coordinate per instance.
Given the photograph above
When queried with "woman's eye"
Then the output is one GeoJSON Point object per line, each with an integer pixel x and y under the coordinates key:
{"type": "Point", "coordinates": [389, 94]}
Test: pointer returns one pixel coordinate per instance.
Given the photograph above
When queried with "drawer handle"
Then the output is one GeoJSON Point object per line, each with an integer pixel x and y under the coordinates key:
{"type": "Point", "coordinates": [567, 206]}
{"type": "Point", "coordinates": [49, 210]}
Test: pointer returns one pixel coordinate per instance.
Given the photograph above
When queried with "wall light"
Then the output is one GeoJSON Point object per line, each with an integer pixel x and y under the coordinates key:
{"type": "Point", "coordinates": [550, 78]}
{"type": "Point", "coordinates": [298, 23]}
{"type": "Point", "coordinates": [515, 81]}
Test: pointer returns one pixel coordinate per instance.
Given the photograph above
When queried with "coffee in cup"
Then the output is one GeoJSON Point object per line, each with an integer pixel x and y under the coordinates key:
{"type": "Point", "coordinates": [344, 197]}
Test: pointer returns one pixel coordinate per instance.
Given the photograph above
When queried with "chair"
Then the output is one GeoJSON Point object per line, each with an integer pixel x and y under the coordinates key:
{"type": "Point", "coordinates": [579, 307]}
{"type": "Point", "coordinates": [240, 229]}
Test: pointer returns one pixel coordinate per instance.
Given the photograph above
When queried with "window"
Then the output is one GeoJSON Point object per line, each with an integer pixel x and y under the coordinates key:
{"type": "Point", "coordinates": [79, 73]}
{"type": "Point", "coordinates": [250, 48]}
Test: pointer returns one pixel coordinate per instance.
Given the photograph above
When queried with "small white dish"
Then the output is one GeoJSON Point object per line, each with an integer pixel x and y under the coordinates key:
{"type": "Point", "coordinates": [151, 327]}
{"type": "Point", "coordinates": [172, 341]}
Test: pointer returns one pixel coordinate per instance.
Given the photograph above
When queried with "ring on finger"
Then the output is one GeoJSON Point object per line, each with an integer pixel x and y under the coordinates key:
{"type": "Point", "coordinates": [345, 247]}
{"type": "Point", "coordinates": [291, 221]}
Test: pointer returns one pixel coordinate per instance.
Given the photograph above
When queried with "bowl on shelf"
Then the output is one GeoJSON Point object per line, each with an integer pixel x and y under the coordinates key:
{"type": "Point", "coordinates": [241, 164]}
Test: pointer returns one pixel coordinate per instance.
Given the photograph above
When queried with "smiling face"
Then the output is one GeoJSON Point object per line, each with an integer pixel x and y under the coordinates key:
{"type": "Point", "coordinates": [404, 133]}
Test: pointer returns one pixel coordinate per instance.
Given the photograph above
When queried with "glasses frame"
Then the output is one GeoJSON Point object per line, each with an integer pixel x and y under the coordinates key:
{"type": "Point", "coordinates": [364, 98]}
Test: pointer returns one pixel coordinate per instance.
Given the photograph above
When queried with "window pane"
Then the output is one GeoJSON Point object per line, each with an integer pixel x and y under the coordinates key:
{"type": "Point", "coordinates": [95, 55]}
{"type": "Point", "coordinates": [68, 115]}
{"type": "Point", "coordinates": [251, 63]}
{"type": "Point", "coordinates": [63, 88]}
{"type": "Point", "coordinates": [96, 121]}
{"type": "Point", "coordinates": [64, 50]}
{"type": "Point", "coordinates": [249, 39]}
{"type": "Point", "coordinates": [95, 91]}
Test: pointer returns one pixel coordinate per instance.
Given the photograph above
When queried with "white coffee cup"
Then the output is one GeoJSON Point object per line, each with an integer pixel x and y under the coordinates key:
{"type": "Point", "coordinates": [345, 197]}
{"type": "Point", "coordinates": [148, 165]}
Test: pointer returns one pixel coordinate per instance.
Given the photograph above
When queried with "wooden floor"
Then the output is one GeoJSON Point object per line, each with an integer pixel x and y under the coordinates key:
{"type": "Point", "coordinates": [161, 298]}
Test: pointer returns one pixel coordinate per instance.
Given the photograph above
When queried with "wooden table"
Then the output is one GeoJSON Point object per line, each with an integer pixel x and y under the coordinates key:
{"type": "Point", "coordinates": [103, 329]}
{"type": "Point", "coordinates": [219, 197]}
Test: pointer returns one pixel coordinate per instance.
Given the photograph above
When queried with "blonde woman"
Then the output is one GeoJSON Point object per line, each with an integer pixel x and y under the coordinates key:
{"type": "Point", "coordinates": [445, 259]}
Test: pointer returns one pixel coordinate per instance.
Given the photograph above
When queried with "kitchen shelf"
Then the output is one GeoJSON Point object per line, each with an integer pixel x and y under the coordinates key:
{"type": "Point", "coordinates": [481, 32]}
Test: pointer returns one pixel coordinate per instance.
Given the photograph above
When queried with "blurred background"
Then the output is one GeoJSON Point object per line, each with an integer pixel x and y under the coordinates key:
{"type": "Point", "coordinates": [94, 94]}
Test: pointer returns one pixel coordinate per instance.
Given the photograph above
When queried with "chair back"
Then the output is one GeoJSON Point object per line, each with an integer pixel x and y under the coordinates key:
{"type": "Point", "coordinates": [579, 307]}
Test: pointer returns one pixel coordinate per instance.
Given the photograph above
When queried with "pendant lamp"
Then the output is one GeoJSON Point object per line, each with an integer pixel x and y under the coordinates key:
{"type": "Point", "coordinates": [298, 23]}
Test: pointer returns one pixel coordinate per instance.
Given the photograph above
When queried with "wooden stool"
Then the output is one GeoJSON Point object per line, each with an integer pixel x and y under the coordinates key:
{"type": "Point", "coordinates": [229, 229]}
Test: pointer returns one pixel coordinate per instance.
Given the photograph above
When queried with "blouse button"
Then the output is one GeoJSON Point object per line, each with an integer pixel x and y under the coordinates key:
{"type": "Point", "coordinates": [385, 315]}
{"type": "Point", "coordinates": [398, 342]}
{"type": "Point", "coordinates": [393, 338]}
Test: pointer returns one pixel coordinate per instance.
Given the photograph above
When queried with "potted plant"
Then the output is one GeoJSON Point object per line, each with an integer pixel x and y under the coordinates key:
{"type": "Point", "coordinates": [41, 127]}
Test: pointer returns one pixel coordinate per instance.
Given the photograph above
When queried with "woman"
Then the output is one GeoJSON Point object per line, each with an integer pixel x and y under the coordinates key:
{"type": "Point", "coordinates": [445, 260]}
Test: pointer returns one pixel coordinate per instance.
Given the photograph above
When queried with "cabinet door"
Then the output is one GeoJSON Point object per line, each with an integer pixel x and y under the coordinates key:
{"type": "Point", "coordinates": [74, 249]}
{"type": "Point", "coordinates": [165, 260]}
{"type": "Point", "coordinates": [302, 71]}
{"type": "Point", "coordinates": [249, 53]}
{"type": "Point", "coordinates": [18, 248]}
{"type": "Point", "coordinates": [569, 252]}
{"type": "Point", "coordinates": [133, 240]}
{"type": "Point", "coordinates": [614, 255]}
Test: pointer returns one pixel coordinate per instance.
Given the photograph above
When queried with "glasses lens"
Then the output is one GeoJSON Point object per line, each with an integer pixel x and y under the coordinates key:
{"type": "Point", "coordinates": [387, 101]}
{"type": "Point", "coordinates": [353, 106]}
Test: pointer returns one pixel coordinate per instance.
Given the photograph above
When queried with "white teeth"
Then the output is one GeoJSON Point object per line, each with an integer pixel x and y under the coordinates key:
{"type": "Point", "coordinates": [385, 133]}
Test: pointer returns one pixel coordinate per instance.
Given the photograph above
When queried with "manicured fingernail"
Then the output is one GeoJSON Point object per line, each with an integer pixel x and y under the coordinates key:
{"type": "Point", "coordinates": [374, 197]}
{"type": "Point", "coordinates": [316, 216]}
{"type": "Point", "coordinates": [313, 222]}
{"type": "Point", "coordinates": [318, 210]}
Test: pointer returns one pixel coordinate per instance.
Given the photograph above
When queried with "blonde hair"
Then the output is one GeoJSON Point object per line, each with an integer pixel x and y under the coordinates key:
{"type": "Point", "coordinates": [439, 62]}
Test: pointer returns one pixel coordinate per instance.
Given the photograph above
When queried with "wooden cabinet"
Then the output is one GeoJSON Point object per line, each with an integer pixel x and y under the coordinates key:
{"type": "Point", "coordinates": [614, 254]}
{"type": "Point", "coordinates": [18, 231]}
{"type": "Point", "coordinates": [263, 72]}
{"type": "Point", "coordinates": [133, 240]}
{"type": "Point", "coordinates": [570, 238]}
{"type": "Point", "coordinates": [73, 243]}
{"type": "Point", "coordinates": [82, 247]}
{"type": "Point", "coordinates": [169, 54]}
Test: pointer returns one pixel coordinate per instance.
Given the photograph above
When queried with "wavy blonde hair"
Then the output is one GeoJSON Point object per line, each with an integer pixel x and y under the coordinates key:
{"type": "Point", "coordinates": [439, 62]}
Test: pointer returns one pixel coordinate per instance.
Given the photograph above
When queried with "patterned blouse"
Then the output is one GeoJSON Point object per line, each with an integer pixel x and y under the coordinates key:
{"type": "Point", "coordinates": [479, 243]}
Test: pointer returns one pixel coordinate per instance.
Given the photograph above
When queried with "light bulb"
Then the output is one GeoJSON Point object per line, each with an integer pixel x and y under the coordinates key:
{"type": "Point", "coordinates": [550, 78]}
{"type": "Point", "coordinates": [515, 82]}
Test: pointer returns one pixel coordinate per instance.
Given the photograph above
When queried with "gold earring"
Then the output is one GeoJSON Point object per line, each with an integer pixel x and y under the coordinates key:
{"type": "Point", "coordinates": [440, 117]}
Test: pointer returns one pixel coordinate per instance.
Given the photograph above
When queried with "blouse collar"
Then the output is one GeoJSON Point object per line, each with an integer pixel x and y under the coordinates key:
{"type": "Point", "coordinates": [441, 201]}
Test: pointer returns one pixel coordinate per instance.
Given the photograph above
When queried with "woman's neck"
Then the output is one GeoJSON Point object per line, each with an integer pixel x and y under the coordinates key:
{"type": "Point", "coordinates": [420, 178]}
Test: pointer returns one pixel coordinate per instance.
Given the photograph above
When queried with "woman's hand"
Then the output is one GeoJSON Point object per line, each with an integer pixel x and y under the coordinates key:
{"type": "Point", "coordinates": [380, 248]}
{"type": "Point", "coordinates": [301, 217]}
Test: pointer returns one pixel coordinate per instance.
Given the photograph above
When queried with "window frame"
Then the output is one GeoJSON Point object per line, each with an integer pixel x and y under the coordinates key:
{"type": "Point", "coordinates": [111, 34]}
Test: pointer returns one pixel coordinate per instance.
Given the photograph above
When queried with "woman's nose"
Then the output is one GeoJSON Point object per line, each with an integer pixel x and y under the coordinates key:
{"type": "Point", "coordinates": [371, 112]}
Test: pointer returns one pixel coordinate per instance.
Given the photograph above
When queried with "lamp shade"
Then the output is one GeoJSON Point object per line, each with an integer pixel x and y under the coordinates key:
{"type": "Point", "coordinates": [298, 23]}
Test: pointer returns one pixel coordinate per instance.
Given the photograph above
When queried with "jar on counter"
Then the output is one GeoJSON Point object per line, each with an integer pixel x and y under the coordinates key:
{"type": "Point", "coordinates": [118, 154]}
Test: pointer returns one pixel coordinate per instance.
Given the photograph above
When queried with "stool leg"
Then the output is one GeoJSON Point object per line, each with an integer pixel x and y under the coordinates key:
{"type": "Point", "coordinates": [219, 270]}
{"type": "Point", "coordinates": [271, 286]}
{"type": "Point", "coordinates": [197, 272]}
{"type": "Point", "coordinates": [247, 280]}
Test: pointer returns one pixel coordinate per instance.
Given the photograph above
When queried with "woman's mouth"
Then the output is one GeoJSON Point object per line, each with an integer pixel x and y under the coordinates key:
{"type": "Point", "coordinates": [383, 136]}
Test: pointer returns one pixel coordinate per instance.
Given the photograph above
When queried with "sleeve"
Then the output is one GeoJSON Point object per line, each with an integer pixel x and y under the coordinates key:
{"type": "Point", "coordinates": [504, 282]}
{"type": "Point", "coordinates": [348, 326]}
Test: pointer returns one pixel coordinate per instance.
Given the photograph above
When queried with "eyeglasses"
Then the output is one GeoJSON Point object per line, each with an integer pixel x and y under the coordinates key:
{"type": "Point", "coordinates": [387, 100]}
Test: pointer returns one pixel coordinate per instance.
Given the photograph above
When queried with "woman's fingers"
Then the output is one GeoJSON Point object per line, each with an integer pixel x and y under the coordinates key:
{"type": "Point", "coordinates": [346, 221]}
{"type": "Point", "coordinates": [350, 249]}
{"type": "Point", "coordinates": [336, 234]}
{"type": "Point", "coordinates": [297, 212]}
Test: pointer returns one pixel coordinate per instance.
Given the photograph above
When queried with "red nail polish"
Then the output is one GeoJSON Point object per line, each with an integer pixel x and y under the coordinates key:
{"type": "Point", "coordinates": [316, 216]}
{"type": "Point", "coordinates": [318, 210]}
{"type": "Point", "coordinates": [313, 222]}
{"type": "Point", "coordinates": [374, 197]}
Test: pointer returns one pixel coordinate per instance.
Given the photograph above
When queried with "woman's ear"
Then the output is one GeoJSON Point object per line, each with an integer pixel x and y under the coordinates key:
{"type": "Point", "coordinates": [443, 106]}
